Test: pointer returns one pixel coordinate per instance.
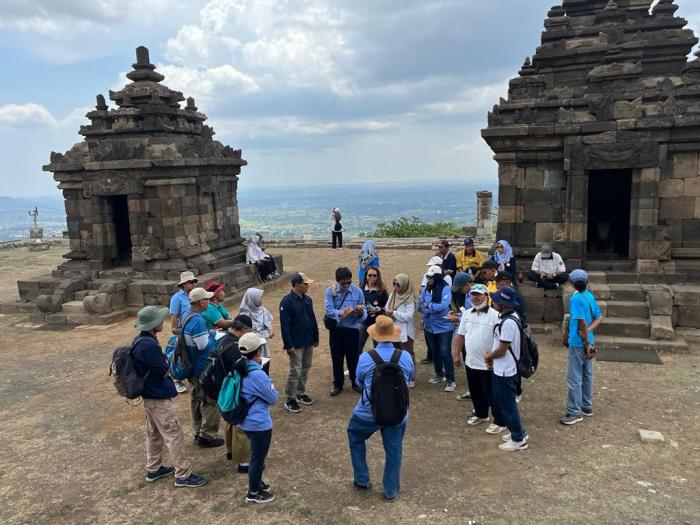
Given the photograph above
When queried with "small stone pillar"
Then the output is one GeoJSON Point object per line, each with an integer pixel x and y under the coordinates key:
{"type": "Point", "coordinates": [484, 214]}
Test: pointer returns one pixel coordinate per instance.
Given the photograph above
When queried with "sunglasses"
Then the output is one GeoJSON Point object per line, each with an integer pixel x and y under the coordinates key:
{"type": "Point", "coordinates": [372, 275]}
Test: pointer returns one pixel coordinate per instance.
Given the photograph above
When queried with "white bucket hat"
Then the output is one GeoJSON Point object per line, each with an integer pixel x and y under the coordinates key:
{"type": "Point", "coordinates": [435, 260]}
{"type": "Point", "coordinates": [186, 277]}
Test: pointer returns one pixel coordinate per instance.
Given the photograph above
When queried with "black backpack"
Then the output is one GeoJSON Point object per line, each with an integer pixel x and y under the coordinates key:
{"type": "Point", "coordinates": [127, 382]}
{"type": "Point", "coordinates": [389, 397]}
{"type": "Point", "coordinates": [219, 363]}
{"type": "Point", "coordinates": [529, 353]}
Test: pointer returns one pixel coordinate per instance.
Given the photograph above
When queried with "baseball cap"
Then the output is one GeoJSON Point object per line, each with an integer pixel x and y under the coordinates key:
{"type": "Point", "coordinates": [214, 287]}
{"type": "Point", "coordinates": [435, 260]}
{"type": "Point", "coordinates": [546, 249]}
{"type": "Point", "coordinates": [198, 294]}
{"type": "Point", "coordinates": [433, 270]}
{"type": "Point", "coordinates": [503, 276]}
{"type": "Point", "coordinates": [299, 278]}
{"type": "Point", "coordinates": [250, 342]}
{"type": "Point", "coordinates": [578, 276]}
{"type": "Point", "coordinates": [468, 241]}
{"type": "Point", "coordinates": [461, 279]}
{"type": "Point", "coordinates": [479, 288]}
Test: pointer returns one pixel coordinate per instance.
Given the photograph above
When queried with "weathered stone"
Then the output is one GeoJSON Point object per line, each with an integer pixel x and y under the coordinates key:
{"type": "Point", "coordinates": [651, 436]}
{"type": "Point", "coordinates": [99, 303]}
{"type": "Point", "coordinates": [688, 316]}
{"type": "Point", "coordinates": [48, 303]}
{"type": "Point", "coordinates": [660, 302]}
{"type": "Point", "coordinates": [661, 327]}
{"type": "Point", "coordinates": [671, 188]}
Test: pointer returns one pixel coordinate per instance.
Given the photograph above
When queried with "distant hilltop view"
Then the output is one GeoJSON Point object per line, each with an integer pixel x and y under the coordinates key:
{"type": "Point", "coordinates": [296, 212]}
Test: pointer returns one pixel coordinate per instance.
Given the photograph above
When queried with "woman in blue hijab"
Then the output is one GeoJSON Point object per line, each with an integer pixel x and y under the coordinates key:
{"type": "Point", "coordinates": [505, 259]}
{"type": "Point", "coordinates": [368, 257]}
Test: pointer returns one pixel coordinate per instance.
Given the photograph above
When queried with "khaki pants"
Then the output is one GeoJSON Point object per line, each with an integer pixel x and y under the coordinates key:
{"type": "Point", "coordinates": [237, 444]}
{"type": "Point", "coordinates": [205, 412]}
{"type": "Point", "coordinates": [299, 366]}
{"type": "Point", "coordinates": [163, 428]}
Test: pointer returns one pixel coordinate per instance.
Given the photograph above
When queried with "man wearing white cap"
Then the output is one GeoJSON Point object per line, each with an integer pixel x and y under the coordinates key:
{"type": "Point", "coordinates": [179, 306]}
{"type": "Point", "coordinates": [200, 343]}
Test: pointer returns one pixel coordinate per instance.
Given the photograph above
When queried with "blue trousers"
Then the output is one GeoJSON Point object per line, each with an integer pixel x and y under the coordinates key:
{"type": "Point", "coordinates": [259, 447]}
{"type": "Point", "coordinates": [504, 392]}
{"type": "Point", "coordinates": [359, 431]}
{"type": "Point", "coordinates": [579, 378]}
{"type": "Point", "coordinates": [440, 346]}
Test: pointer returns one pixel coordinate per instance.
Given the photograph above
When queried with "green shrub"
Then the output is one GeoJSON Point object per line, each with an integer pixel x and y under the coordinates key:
{"type": "Point", "coordinates": [415, 227]}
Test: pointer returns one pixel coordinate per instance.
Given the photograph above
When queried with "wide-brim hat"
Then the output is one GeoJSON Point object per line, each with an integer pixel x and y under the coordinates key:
{"type": "Point", "coordinates": [149, 317]}
{"type": "Point", "coordinates": [199, 294]}
{"type": "Point", "coordinates": [384, 330]}
{"type": "Point", "coordinates": [186, 277]}
{"type": "Point", "coordinates": [435, 260]}
{"type": "Point", "coordinates": [249, 343]}
{"type": "Point", "coordinates": [506, 296]}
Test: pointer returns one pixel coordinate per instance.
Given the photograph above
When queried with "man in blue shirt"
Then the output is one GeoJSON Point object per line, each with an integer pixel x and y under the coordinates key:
{"type": "Point", "coordinates": [362, 424]}
{"type": "Point", "coordinates": [179, 306]}
{"type": "Point", "coordinates": [345, 303]}
{"type": "Point", "coordinates": [162, 426]}
{"type": "Point", "coordinates": [260, 394]}
{"type": "Point", "coordinates": [200, 343]}
{"type": "Point", "coordinates": [584, 318]}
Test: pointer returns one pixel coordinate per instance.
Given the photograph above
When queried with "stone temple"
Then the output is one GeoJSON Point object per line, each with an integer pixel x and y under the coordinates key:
{"type": "Point", "coordinates": [148, 194]}
{"type": "Point", "coordinates": [597, 145]}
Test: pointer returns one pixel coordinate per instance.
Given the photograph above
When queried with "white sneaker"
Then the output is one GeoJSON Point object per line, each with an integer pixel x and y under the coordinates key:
{"type": "Point", "coordinates": [180, 387]}
{"type": "Point", "coordinates": [411, 384]}
{"type": "Point", "coordinates": [346, 373]}
{"type": "Point", "coordinates": [494, 429]}
{"type": "Point", "coordinates": [506, 437]}
{"type": "Point", "coordinates": [511, 446]}
{"type": "Point", "coordinates": [435, 380]}
{"type": "Point", "coordinates": [450, 386]}
{"type": "Point", "coordinates": [518, 398]}
{"type": "Point", "coordinates": [474, 420]}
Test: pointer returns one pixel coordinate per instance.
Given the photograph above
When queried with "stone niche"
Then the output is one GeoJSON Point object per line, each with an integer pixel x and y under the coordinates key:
{"type": "Point", "coordinates": [148, 194]}
{"type": "Point", "coordinates": [598, 141]}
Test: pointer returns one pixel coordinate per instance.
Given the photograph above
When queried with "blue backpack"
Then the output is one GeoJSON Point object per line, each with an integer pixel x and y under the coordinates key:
{"type": "Point", "coordinates": [181, 363]}
{"type": "Point", "coordinates": [233, 406]}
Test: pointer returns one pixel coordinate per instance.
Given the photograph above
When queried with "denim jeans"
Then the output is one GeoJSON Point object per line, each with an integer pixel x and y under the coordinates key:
{"type": "Point", "coordinates": [259, 447]}
{"type": "Point", "coordinates": [579, 378]}
{"type": "Point", "coordinates": [441, 347]}
{"type": "Point", "coordinates": [360, 431]}
{"type": "Point", "coordinates": [504, 404]}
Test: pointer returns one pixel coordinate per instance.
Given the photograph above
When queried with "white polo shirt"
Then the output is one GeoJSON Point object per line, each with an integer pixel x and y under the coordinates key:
{"type": "Point", "coordinates": [477, 328]}
{"type": "Point", "coordinates": [505, 365]}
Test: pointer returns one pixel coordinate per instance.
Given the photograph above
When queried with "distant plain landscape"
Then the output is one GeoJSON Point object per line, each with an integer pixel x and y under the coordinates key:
{"type": "Point", "coordinates": [296, 211]}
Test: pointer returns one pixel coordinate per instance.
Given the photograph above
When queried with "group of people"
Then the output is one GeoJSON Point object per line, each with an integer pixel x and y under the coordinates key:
{"type": "Point", "coordinates": [471, 315]}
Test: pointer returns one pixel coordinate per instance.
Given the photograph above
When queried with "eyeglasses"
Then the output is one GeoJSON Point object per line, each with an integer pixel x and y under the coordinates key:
{"type": "Point", "coordinates": [371, 275]}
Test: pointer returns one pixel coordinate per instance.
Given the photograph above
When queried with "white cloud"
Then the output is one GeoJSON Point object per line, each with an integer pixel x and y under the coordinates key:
{"type": "Point", "coordinates": [205, 84]}
{"type": "Point", "coordinates": [473, 99]}
{"type": "Point", "coordinates": [25, 115]}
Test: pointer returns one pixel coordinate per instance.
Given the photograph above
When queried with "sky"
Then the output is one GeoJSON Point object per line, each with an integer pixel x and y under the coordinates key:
{"type": "Point", "coordinates": [313, 91]}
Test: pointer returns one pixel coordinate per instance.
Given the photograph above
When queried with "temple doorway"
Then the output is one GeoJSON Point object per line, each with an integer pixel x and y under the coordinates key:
{"type": "Point", "coordinates": [122, 229]}
{"type": "Point", "coordinates": [609, 201]}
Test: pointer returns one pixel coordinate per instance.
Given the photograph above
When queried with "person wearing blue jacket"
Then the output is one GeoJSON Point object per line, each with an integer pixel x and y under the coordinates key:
{"type": "Point", "coordinates": [362, 423]}
{"type": "Point", "coordinates": [345, 304]}
{"type": "Point", "coordinates": [434, 306]}
{"type": "Point", "coordinates": [260, 393]}
{"type": "Point", "coordinates": [162, 426]}
{"type": "Point", "coordinates": [368, 257]}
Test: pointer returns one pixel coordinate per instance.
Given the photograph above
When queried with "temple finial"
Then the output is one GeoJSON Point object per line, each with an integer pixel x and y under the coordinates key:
{"type": "Point", "coordinates": [143, 69]}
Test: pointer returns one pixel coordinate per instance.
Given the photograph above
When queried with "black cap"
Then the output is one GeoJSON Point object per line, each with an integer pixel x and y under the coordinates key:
{"type": "Point", "coordinates": [490, 265]}
{"type": "Point", "coordinates": [503, 276]}
{"type": "Point", "coordinates": [242, 321]}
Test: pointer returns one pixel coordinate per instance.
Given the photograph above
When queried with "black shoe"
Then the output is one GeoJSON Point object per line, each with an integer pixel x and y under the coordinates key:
{"type": "Point", "coordinates": [390, 498]}
{"type": "Point", "coordinates": [362, 487]}
{"type": "Point", "coordinates": [304, 399]}
{"type": "Point", "coordinates": [229, 456]}
{"type": "Point", "coordinates": [335, 391]}
{"type": "Point", "coordinates": [292, 406]}
{"type": "Point", "coordinates": [426, 361]}
{"type": "Point", "coordinates": [210, 443]}
{"type": "Point", "coordinates": [260, 497]}
{"type": "Point", "coordinates": [357, 389]}
{"type": "Point", "coordinates": [242, 469]}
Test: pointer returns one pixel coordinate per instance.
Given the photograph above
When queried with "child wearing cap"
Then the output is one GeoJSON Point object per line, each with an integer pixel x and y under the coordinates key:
{"type": "Point", "coordinates": [260, 393]}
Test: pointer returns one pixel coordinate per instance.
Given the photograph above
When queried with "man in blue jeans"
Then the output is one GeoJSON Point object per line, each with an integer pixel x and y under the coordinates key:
{"type": "Point", "coordinates": [362, 424]}
{"type": "Point", "coordinates": [502, 359]}
{"type": "Point", "coordinates": [584, 317]}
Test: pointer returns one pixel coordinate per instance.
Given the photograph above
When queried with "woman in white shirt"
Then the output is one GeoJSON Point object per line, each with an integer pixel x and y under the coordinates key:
{"type": "Point", "coordinates": [255, 254]}
{"type": "Point", "coordinates": [401, 307]}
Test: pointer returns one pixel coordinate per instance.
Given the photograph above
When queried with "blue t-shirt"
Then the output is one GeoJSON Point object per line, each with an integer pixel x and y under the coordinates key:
{"type": "Point", "coordinates": [200, 343]}
{"type": "Point", "coordinates": [259, 391]}
{"type": "Point", "coordinates": [179, 304]}
{"type": "Point", "coordinates": [365, 371]}
{"type": "Point", "coordinates": [582, 305]}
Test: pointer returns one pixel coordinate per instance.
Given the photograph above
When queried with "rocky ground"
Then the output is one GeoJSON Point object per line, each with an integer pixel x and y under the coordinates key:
{"type": "Point", "coordinates": [73, 452]}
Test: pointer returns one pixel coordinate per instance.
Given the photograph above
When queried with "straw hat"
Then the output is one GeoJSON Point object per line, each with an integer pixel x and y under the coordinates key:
{"type": "Point", "coordinates": [384, 330]}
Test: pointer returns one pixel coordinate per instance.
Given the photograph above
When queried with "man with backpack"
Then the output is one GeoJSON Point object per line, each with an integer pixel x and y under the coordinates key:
{"type": "Point", "coordinates": [503, 360]}
{"type": "Point", "coordinates": [162, 426]}
{"type": "Point", "coordinates": [179, 306]}
{"type": "Point", "coordinates": [383, 374]}
{"type": "Point", "coordinates": [584, 318]}
{"type": "Point", "coordinates": [259, 393]}
{"type": "Point", "coordinates": [200, 344]}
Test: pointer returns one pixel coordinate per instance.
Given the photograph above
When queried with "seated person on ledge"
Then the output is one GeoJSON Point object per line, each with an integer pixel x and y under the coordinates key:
{"type": "Point", "coordinates": [548, 270]}
{"type": "Point", "coordinates": [255, 254]}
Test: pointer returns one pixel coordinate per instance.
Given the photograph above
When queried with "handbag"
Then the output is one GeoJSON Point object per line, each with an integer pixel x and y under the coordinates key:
{"type": "Point", "coordinates": [330, 322]}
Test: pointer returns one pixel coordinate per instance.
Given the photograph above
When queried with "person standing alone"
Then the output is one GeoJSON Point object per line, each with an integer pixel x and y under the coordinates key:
{"type": "Point", "coordinates": [336, 228]}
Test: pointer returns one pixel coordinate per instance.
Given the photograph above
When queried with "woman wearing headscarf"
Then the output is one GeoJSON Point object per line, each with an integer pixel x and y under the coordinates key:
{"type": "Point", "coordinates": [255, 254]}
{"type": "Point", "coordinates": [503, 256]}
{"type": "Point", "coordinates": [336, 228]}
{"type": "Point", "coordinates": [252, 306]}
{"type": "Point", "coordinates": [401, 307]}
{"type": "Point", "coordinates": [434, 305]}
{"type": "Point", "coordinates": [368, 257]}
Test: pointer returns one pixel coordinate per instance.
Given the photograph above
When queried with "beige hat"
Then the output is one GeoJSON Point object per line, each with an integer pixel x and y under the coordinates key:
{"type": "Point", "coordinates": [384, 329]}
{"type": "Point", "coordinates": [186, 277]}
{"type": "Point", "coordinates": [436, 260]}
{"type": "Point", "coordinates": [433, 270]}
{"type": "Point", "coordinates": [197, 294]}
{"type": "Point", "coordinates": [250, 342]}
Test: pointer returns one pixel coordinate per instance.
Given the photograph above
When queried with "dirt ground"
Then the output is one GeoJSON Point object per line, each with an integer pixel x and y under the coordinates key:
{"type": "Point", "coordinates": [72, 451]}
